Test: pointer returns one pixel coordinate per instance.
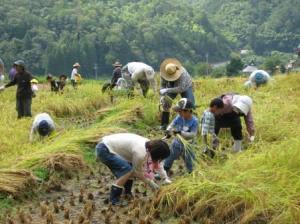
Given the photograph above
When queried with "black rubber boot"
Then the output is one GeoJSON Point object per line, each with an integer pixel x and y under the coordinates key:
{"type": "Point", "coordinates": [115, 194]}
{"type": "Point", "coordinates": [165, 116]}
{"type": "Point", "coordinates": [128, 187]}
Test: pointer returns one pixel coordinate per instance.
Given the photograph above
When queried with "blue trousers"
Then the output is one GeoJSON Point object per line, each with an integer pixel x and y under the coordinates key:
{"type": "Point", "coordinates": [178, 150]}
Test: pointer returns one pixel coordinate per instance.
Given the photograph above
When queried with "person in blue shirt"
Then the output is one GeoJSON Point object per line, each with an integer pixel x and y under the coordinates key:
{"type": "Point", "coordinates": [185, 125]}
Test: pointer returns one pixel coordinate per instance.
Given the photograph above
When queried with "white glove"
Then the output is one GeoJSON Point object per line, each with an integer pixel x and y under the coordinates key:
{"type": "Point", "coordinates": [252, 138]}
{"type": "Point", "coordinates": [167, 181]}
{"type": "Point", "coordinates": [153, 185]}
{"type": "Point", "coordinates": [163, 91]}
{"type": "Point", "coordinates": [2, 88]}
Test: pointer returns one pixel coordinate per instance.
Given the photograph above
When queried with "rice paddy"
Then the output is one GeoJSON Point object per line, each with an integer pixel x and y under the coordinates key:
{"type": "Point", "coordinates": [260, 185]}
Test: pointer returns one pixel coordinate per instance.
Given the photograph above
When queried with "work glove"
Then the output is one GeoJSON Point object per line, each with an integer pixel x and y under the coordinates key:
{"type": "Point", "coordinates": [153, 185]}
{"type": "Point", "coordinates": [163, 91]}
{"type": "Point", "coordinates": [167, 181]}
{"type": "Point", "coordinates": [252, 138]}
{"type": "Point", "coordinates": [2, 88]}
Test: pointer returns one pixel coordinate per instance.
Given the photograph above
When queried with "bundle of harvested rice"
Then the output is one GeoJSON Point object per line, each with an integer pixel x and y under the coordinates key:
{"type": "Point", "coordinates": [16, 182]}
{"type": "Point", "coordinates": [63, 162]}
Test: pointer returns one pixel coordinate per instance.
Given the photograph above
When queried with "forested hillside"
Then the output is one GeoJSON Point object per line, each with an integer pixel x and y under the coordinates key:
{"type": "Point", "coordinates": [51, 35]}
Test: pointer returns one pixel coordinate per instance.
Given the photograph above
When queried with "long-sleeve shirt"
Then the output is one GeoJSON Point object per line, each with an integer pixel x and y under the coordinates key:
{"type": "Point", "coordinates": [179, 86]}
{"type": "Point", "coordinates": [22, 80]}
{"type": "Point", "coordinates": [116, 75]}
{"type": "Point", "coordinates": [132, 148]}
{"type": "Point", "coordinates": [36, 122]}
{"type": "Point", "coordinates": [188, 128]}
{"type": "Point", "coordinates": [207, 123]}
{"type": "Point", "coordinates": [228, 108]}
{"type": "Point", "coordinates": [140, 71]}
{"type": "Point", "coordinates": [74, 73]}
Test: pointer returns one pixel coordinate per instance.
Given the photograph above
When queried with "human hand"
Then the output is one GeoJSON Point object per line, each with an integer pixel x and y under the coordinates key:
{"type": "Point", "coordinates": [153, 185]}
{"type": "Point", "coordinates": [163, 91]}
{"type": "Point", "coordinates": [167, 181]}
{"type": "Point", "coordinates": [252, 138]}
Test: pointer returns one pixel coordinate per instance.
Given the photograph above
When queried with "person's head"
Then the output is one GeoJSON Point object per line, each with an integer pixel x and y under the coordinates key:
{"type": "Point", "coordinates": [19, 65]}
{"type": "Point", "coordinates": [184, 108]}
{"type": "Point", "coordinates": [215, 105]}
{"type": "Point", "coordinates": [241, 104]}
{"type": "Point", "coordinates": [158, 149]}
{"type": "Point", "coordinates": [49, 78]}
{"type": "Point", "coordinates": [117, 64]}
{"type": "Point", "coordinates": [171, 69]}
{"type": "Point", "coordinates": [44, 128]}
{"type": "Point", "coordinates": [76, 65]}
{"type": "Point", "coordinates": [63, 78]}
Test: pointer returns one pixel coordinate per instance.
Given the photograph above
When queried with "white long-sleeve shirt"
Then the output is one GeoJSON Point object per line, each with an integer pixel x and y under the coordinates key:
{"type": "Point", "coordinates": [74, 73]}
{"type": "Point", "coordinates": [132, 148]}
{"type": "Point", "coordinates": [141, 71]}
{"type": "Point", "coordinates": [36, 122]}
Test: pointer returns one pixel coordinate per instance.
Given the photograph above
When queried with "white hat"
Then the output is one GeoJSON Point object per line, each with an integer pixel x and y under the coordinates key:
{"type": "Point", "coordinates": [242, 103]}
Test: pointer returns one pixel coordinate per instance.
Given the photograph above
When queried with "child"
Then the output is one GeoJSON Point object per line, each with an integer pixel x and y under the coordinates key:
{"type": "Point", "coordinates": [208, 125]}
{"type": "Point", "coordinates": [185, 125]}
{"type": "Point", "coordinates": [34, 87]}
{"type": "Point", "coordinates": [53, 83]}
{"type": "Point", "coordinates": [62, 83]}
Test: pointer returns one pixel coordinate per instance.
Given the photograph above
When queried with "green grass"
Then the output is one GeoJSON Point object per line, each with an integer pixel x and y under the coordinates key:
{"type": "Point", "coordinates": [265, 178]}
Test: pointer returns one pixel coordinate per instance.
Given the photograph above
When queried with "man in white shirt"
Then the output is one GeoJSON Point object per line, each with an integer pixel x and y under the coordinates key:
{"type": "Point", "coordinates": [130, 155]}
{"type": "Point", "coordinates": [43, 125]}
{"type": "Point", "coordinates": [74, 73]}
{"type": "Point", "coordinates": [138, 72]}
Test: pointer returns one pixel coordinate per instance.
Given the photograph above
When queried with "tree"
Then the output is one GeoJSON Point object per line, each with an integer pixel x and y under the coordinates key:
{"type": "Point", "coordinates": [235, 66]}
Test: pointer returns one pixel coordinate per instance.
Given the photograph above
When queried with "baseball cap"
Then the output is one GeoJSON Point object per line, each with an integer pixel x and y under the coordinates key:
{"type": "Point", "coordinates": [184, 104]}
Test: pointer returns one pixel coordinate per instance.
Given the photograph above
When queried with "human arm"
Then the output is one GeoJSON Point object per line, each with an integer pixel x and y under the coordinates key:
{"type": "Point", "coordinates": [11, 83]}
{"type": "Point", "coordinates": [182, 84]}
{"type": "Point", "coordinates": [250, 123]}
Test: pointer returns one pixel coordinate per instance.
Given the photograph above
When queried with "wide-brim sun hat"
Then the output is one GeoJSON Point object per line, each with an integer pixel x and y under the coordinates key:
{"type": "Point", "coordinates": [76, 65]}
{"type": "Point", "coordinates": [242, 103]}
{"type": "Point", "coordinates": [34, 81]}
{"type": "Point", "coordinates": [171, 69]}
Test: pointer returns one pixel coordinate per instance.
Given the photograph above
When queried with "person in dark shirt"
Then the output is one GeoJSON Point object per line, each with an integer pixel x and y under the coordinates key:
{"type": "Point", "coordinates": [115, 77]}
{"type": "Point", "coordinates": [53, 83]}
{"type": "Point", "coordinates": [24, 91]}
{"type": "Point", "coordinates": [62, 83]}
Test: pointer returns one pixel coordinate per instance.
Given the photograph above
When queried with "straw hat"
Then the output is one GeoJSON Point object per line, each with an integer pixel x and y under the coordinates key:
{"type": "Point", "coordinates": [76, 65]}
{"type": "Point", "coordinates": [171, 69]}
{"type": "Point", "coordinates": [117, 64]}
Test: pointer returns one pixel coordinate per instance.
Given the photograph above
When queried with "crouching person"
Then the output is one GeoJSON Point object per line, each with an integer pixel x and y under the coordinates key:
{"type": "Point", "coordinates": [129, 156]}
{"type": "Point", "coordinates": [43, 125]}
{"type": "Point", "coordinates": [186, 126]}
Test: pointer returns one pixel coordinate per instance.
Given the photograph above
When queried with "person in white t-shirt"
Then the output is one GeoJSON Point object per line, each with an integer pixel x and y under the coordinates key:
{"type": "Point", "coordinates": [75, 73]}
{"type": "Point", "coordinates": [138, 72]}
{"type": "Point", "coordinates": [129, 156]}
{"type": "Point", "coordinates": [42, 125]}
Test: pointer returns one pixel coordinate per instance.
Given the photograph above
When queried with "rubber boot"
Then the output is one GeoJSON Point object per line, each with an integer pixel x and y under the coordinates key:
{"type": "Point", "coordinates": [128, 187]}
{"type": "Point", "coordinates": [115, 194]}
{"type": "Point", "coordinates": [237, 146]}
{"type": "Point", "coordinates": [165, 116]}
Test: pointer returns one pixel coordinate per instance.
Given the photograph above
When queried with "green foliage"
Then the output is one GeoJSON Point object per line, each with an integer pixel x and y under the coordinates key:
{"type": "Point", "coordinates": [41, 173]}
{"type": "Point", "coordinates": [235, 66]}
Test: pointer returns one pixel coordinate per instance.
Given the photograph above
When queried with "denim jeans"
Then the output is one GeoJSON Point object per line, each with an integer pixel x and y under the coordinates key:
{"type": "Point", "coordinates": [178, 150]}
{"type": "Point", "coordinates": [189, 94]}
{"type": "Point", "coordinates": [118, 166]}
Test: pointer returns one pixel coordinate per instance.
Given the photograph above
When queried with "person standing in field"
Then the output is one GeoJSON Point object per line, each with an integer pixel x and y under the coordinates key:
{"type": "Point", "coordinates": [235, 106]}
{"type": "Point", "coordinates": [1, 71]}
{"type": "Point", "coordinates": [43, 125]}
{"type": "Point", "coordinates": [174, 80]}
{"type": "Point", "coordinates": [53, 83]}
{"type": "Point", "coordinates": [139, 72]}
{"type": "Point", "coordinates": [116, 75]}
{"type": "Point", "coordinates": [62, 83]}
{"type": "Point", "coordinates": [24, 92]}
{"type": "Point", "coordinates": [75, 74]}
{"type": "Point", "coordinates": [185, 128]}
{"type": "Point", "coordinates": [130, 156]}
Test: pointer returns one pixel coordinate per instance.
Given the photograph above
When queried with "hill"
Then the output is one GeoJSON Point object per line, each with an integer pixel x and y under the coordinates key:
{"type": "Point", "coordinates": [260, 185]}
{"type": "Point", "coordinates": [51, 35]}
